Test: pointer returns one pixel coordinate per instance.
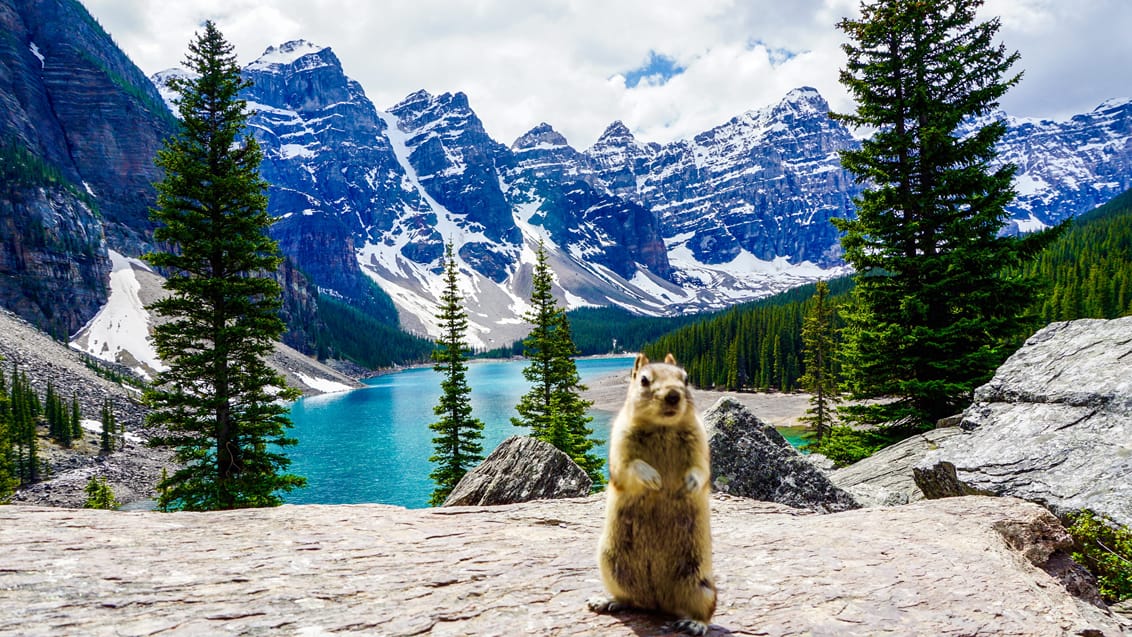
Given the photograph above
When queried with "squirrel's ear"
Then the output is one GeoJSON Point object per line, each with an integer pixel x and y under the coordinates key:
{"type": "Point", "coordinates": [641, 361]}
{"type": "Point", "coordinates": [670, 359]}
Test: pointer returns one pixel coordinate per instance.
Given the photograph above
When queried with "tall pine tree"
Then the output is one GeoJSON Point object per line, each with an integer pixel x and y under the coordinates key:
{"type": "Point", "coordinates": [107, 437]}
{"type": "Point", "coordinates": [935, 313]}
{"type": "Point", "coordinates": [553, 409]}
{"type": "Point", "coordinates": [457, 445]}
{"type": "Point", "coordinates": [216, 404]}
{"type": "Point", "coordinates": [820, 378]}
{"type": "Point", "coordinates": [9, 478]}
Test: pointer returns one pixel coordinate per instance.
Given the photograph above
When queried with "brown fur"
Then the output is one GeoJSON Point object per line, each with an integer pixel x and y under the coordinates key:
{"type": "Point", "coordinates": [655, 552]}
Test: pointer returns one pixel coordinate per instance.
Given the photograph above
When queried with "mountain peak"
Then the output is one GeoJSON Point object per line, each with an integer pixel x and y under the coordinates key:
{"type": "Point", "coordinates": [1113, 103]}
{"type": "Point", "coordinates": [542, 135]}
{"type": "Point", "coordinates": [805, 98]}
{"type": "Point", "coordinates": [616, 130]}
{"type": "Point", "coordinates": [286, 54]}
{"type": "Point", "coordinates": [416, 97]}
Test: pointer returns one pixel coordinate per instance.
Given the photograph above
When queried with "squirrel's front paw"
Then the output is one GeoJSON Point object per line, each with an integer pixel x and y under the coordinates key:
{"type": "Point", "coordinates": [647, 474]}
{"type": "Point", "coordinates": [693, 481]}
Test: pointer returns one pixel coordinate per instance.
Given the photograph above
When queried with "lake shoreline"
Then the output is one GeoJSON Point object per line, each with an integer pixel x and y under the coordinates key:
{"type": "Point", "coordinates": [777, 409]}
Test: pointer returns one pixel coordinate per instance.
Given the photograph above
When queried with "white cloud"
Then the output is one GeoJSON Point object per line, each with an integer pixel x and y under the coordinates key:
{"type": "Point", "coordinates": [562, 61]}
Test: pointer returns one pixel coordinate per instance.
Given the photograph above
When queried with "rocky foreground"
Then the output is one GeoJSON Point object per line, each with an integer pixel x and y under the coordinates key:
{"type": "Point", "coordinates": [959, 566]}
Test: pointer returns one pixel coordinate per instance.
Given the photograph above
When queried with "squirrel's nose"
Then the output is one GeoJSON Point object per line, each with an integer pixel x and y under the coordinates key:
{"type": "Point", "coordinates": [672, 397]}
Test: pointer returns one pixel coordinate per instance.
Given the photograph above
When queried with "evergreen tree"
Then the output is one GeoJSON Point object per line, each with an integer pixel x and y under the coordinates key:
{"type": "Point", "coordinates": [76, 419]}
{"type": "Point", "coordinates": [570, 413]}
{"type": "Point", "coordinates": [936, 314]}
{"type": "Point", "coordinates": [25, 409]}
{"type": "Point", "coordinates": [51, 412]}
{"type": "Point", "coordinates": [216, 402]}
{"type": "Point", "coordinates": [457, 445]}
{"type": "Point", "coordinates": [820, 378]}
{"type": "Point", "coordinates": [553, 408]}
{"type": "Point", "coordinates": [106, 437]}
{"type": "Point", "coordinates": [9, 478]}
{"type": "Point", "coordinates": [99, 495]}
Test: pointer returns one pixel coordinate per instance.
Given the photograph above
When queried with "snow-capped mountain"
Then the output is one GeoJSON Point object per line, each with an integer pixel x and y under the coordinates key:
{"type": "Point", "coordinates": [738, 212]}
{"type": "Point", "coordinates": [763, 185]}
{"type": "Point", "coordinates": [1070, 167]}
{"type": "Point", "coordinates": [364, 192]}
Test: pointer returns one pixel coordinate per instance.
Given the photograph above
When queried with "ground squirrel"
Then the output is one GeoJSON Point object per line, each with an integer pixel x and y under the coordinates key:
{"type": "Point", "coordinates": [655, 552]}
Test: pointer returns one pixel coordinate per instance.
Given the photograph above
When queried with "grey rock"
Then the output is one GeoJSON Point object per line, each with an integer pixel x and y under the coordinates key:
{"type": "Point", "coordinates": [820, 461]}
{"type": "Point", "coordinates": [885, 478]}
{"type": "Point", "coordinates": [1123, 608]}
{"type": "Point", "coordinates": [942, 567]}
{"type": "Point", "coordinates": [521, 469]}
{"type": "Point", "coordinates": [750, 459]}
{"type": "Point", "coordinates": [1053, 426]}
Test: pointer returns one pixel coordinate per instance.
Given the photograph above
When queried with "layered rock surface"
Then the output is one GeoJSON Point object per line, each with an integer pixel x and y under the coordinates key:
{"type": "Point", "coordinates": [885, 478]}
{"type": "Point", "coordinates": [1053, 426]}
{"type": "Point", "coordinates": [960, 566]}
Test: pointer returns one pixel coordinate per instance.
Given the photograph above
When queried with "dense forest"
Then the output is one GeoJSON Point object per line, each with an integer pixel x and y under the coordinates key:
{"type": "Point", "coordinates": [607, 330]}
{"type": "Point", "coordinates": [353, 335]}
{"type": "Point", "coordinates": [755, 345]}
{"type": "Point", "coordinates": [1085, 273]}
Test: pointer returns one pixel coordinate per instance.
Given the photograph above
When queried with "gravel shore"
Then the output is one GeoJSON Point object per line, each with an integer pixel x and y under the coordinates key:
{"type": "Point", "coordinates": [774, 408]}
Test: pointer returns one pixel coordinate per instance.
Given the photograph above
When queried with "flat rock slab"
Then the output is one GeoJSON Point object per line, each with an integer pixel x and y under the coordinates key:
{"type": "Point", "coordinates": [939, 567]}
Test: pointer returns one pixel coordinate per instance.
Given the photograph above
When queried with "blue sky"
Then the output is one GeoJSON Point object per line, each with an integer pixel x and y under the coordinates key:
{"type": "Point", "coordinates": [657, 70]}
{"type": "Point", "coordinates": [667, 68]}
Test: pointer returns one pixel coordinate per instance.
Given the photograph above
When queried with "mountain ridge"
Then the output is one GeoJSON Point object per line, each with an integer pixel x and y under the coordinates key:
{"type": "Point", "coordinates": [732, 214]}
{"type": "Point", "coordinates": [366, 198]}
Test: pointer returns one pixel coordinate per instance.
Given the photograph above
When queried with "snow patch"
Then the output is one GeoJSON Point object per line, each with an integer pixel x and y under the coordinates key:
{"type": "Point", "coordinates": [95, 427]}
{"type": "Point", "coordinates": [324, 385]}
{"type": "Point", "coordinates": [287, 151]}
{"type": "Point", "coordinates": [36, 53]}
{"type": "Point", "coordinates": [122, 325]}
{"type": "Point", "coordinates": [286, 53]}
{"type": "Point", "coordinates": [1027, 185]}
{"type": "Point", "coordinates": [1033, 224]}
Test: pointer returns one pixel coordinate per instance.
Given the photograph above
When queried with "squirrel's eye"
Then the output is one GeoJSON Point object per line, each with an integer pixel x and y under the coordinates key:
{"type": "Point", "coordinates": [644, 381]}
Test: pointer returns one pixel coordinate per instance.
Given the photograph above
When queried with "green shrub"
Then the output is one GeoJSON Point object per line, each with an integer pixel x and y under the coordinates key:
{"type": "Point", "coordinates": [1105, 548]}
{"type": "Point", "coordinates": [99, 495]}
{"type": "Point", "coordinates": [845, 445]}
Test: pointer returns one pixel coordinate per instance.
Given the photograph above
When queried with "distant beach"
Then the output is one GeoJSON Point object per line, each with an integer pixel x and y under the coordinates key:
{"type": "Point", "coordinates": [774, 408]}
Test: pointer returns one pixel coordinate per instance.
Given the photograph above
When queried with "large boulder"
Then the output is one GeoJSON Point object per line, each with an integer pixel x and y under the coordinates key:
{"type": "Point", "coordinates": [885, 478]}
{"type": "Point", "coordinates": [519, 470]}
{"type": "Point", "coordinates": [750, 458]}
{"type": "Point", "coordinates": [1053, 426]}
{"type": "Point", "coordinates": [959, 566]}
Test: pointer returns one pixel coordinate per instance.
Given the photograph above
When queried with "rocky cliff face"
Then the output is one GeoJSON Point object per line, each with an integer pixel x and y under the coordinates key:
{"type": "Point", "coordinates": [571, 203]}
{"type": "Point", "coordinates": [332, 173]}
{"type": "Point", "coordinates": [1070, 167]}
{"type": "Point", "coordinates": [79, 127]}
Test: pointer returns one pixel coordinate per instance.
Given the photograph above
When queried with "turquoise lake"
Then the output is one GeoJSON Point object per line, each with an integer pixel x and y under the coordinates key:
{"type": "Point", "coordinates": [373, 444]}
